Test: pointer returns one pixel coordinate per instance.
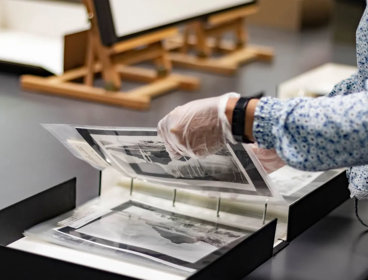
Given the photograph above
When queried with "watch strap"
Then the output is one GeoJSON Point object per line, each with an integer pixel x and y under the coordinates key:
{"type": "Point", "coordinates": [238, 121]}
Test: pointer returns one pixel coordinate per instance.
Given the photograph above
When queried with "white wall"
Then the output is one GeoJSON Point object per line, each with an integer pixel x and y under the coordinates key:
{"type": "Point", "coordinates": [45, 18]}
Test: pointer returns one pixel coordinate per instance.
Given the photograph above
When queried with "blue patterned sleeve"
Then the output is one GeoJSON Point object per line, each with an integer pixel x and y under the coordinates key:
{"type": "Point", "coordinates": [315, 133]}
{"type": "Point", "coordinates": [353, 84]}
{"type": "Point", "coordinates": [326, 132]}
{"type": "Point", "coordinates": [357, 175]}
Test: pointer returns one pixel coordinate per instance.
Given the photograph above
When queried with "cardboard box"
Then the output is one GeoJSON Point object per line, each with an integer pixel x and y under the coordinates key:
{"type": "Point", "coordinates": [292, 14]}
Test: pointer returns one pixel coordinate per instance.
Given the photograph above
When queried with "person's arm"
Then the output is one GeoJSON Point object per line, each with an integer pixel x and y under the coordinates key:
{"type": "Point", "coordinates": [307, 133]}
{"type": "Point", "coordinates": [357, 175]}
{"type": "Point", "coordinates": [313, 133]}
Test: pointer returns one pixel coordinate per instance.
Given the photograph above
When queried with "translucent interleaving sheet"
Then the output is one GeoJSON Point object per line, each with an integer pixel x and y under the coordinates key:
{"type": "Point", "coordinates": [139, 153]}
{"type": "Point", "coordinates": [236, 172]}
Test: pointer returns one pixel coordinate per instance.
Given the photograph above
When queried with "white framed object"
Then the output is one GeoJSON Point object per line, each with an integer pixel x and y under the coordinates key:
{"type": "Point", "coordinates": [316, 82]}
{"type": "Point", "coordinates": [136, 16]}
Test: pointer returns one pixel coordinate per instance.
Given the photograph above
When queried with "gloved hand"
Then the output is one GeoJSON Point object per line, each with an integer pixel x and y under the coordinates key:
{"type": "Point", "coordinates": [268, 158]}
{"type": "Point", "coordinates": [198, 128]}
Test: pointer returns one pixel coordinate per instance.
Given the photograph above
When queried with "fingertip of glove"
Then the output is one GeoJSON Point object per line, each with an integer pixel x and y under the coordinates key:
{"type": "Point", "coordinates": [174, 130]}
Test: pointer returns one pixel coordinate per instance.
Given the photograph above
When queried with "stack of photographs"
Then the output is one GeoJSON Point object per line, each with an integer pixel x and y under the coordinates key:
{"type": "Point", "coordinates": [165, 237]}
{"type": "Point", "coordinates": [161, 235]}
{"type": "Point", "coordinates": [141, 154]}
{"type": "Point", "coordinates": [146, 233]}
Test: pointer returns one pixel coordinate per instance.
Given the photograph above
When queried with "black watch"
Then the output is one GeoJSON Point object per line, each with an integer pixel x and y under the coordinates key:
{"type": "Point", "coordinates": [238, 122]}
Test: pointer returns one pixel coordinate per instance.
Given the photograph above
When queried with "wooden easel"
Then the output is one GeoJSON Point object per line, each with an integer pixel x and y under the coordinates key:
{"type": "Point", "coordinates": [113, 62]}
{"type": "Point", "coordinates": [201, 45]}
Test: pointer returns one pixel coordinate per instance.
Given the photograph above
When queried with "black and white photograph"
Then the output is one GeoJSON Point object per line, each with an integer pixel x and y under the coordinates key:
{"type": "Point", "coordinates": [142, 154]}
{"type": "Point", "coordinates": [159, 235]}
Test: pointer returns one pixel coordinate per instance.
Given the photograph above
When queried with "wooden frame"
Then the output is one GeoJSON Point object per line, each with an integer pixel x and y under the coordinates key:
{"type": "Point", "coordinates": [114, 63]}
{"type": "Point", "coordinates": [211, 52]}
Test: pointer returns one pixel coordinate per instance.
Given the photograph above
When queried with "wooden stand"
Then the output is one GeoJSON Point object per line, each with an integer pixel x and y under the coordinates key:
{"type": "Point", "coordinates": [113, 62]}
{"type": "Point", "coordinates": [202, 45]}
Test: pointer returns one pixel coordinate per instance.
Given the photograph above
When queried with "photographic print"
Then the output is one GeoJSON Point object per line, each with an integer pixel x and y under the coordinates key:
{"type": "Point", "coordinates": [166, 237]}
{"type": "Point", "coordinates": [142, 154]}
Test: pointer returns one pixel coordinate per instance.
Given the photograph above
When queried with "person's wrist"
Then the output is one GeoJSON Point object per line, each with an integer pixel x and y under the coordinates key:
{"type": "Point", "coordinates": [230, 108]}
{"type": "Point", "coordinates": [249, 115]}
{"type": "Point", "coordinates": [249, 119]}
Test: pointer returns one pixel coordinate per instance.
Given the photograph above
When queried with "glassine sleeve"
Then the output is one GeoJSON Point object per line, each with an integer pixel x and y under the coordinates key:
{"type": "Point", "coordinates": [71, 138]}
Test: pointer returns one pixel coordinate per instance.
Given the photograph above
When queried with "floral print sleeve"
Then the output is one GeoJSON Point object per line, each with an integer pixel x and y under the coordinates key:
{"type": "Point", "coordinates": [316, 133]}
{"type": "Point", "coordinates": [358, 175]}
{"type": "Point", "coordinates": [325, 132]}
{"type": "Point", "coordinates": [353, 84]}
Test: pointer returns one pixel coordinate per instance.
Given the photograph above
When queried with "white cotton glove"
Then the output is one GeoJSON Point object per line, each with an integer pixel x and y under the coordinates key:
{"type": "Point", "coordinates": [198, 128]}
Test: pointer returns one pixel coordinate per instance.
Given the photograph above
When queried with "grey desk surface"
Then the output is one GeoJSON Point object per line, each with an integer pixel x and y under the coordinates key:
{"type": "Point", "coordinates": [32, 160]}
{"type": "Point", "coordinates": [334, 248]}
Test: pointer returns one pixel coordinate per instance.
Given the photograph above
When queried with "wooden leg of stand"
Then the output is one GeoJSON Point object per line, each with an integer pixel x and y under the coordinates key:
{"type": "Point", "coordinates": [241, 33]}
{"type": "Point", "coordinates": [232, 53]}
{"type": "Point", "coordinates": [264, 53]}
{"type": "Point", "coordinates": [138, 98]}
{"type": "Point", "coordinates": [109, 74]}
{"type": "Point", "coordinates": [185, 45]}
{"type": "Point", "coordinates": [148, 76]}
{"type": "Point", "coordinates": [102, 53]}
{"type": "Point", "coordinates": [156, 88]}
{"type": "Point", "coordinates": [84, 92]}
{"type": "Point", "coordinates": [217, 43]}
{"type": "Point", "coordinates": [228, 63]}
{"type": "Point", "coordinates": [90, 59]}
{"type": "Point", "coordinates": [187, 82]}
{"type": "Point", "coordinates": [245, 55]}
{"type": "Point", "coordinates": [209, 64]}
{"type": "Point", "coordinates": [201, 45]}
{"type": "Point", "coordinates": [163, 62]}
